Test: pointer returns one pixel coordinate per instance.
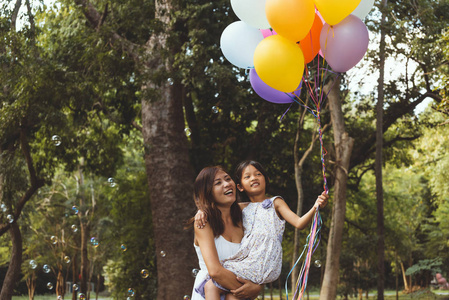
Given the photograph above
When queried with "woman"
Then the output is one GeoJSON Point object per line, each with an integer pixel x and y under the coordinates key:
{"type": "Point", "coordinates": [215, 194]}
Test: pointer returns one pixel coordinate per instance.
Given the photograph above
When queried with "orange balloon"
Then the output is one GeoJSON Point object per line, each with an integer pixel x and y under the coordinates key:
{"type": "Point", "coordinates": [290, 18]}
{"type": "Point", "coordinates": [310, 45]}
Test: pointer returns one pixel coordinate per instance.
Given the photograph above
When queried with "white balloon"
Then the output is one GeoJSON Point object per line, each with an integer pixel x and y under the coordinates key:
{"type": "Point", "coordinates": [252, 12]}
{"type": "Point", "coordinates": [363, 9]}
{"type": "Point", "coordinates": [238, 43]}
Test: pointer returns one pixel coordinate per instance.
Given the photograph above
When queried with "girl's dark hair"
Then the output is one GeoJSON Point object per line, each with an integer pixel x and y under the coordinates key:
{"type": "Point", "coordinates": [204, 200]}
{"type": "Point", "coordinates": [239, 171]}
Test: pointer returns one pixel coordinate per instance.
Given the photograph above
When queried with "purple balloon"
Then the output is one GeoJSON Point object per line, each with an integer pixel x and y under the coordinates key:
{"type": "Point", "coordinates": [270, 94]}
{"type": "Point", "coordinates": [345, 43]}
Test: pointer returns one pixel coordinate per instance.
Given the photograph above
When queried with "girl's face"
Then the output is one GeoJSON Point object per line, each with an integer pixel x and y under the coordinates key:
{"type": "Point", "coordinates": [252, 182]}
{"type": "Point", "coordinates": [223, 189]}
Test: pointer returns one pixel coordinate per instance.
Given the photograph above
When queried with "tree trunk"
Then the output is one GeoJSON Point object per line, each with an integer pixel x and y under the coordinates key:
{"type": "Point", "coordinates": [60, 283]}
{"type": "Point", "coordinates": [343, 149]}
{"type": "Point", "coordinates": [379, 163]}
{"type": "Point", "coordinates": [169, 171]}
{"type": "Point", "coordinates": [406, 286]}
{"type": "Point", "coordinates": [31, 286]}
{"type": "Point", "coordinates": [13, 273]}
{"type": "Point", "coordinates": [84, 233]}
{"type": "Point", "coordinates": [300, 201]}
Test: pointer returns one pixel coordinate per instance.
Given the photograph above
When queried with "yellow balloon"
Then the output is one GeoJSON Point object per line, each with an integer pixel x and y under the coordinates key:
{"type": "Point", "coordinates": [334, 11]}
{"type": "Point", "coordinates": [290, 18]}
{"type": "Point", "coordinates": [279, 63]}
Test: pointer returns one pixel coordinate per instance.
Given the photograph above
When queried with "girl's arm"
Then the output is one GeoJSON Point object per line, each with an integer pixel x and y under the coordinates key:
{"type": "Point", "coordinates": [299, 222]}
{"type": "Point", "coordinates": [206, 241]}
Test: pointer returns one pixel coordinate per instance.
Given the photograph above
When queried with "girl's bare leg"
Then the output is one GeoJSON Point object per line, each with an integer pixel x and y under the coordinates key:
{"type": "Point", "coordinates": [212, 292]}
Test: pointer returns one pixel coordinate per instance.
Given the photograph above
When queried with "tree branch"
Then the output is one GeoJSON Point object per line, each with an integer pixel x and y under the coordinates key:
{"type": "Point", "coordinates": [36, 182]}
{"type": "Point", "coordinates": [15, 13]}
{"type": "Point", "coordinates": [95, 20]}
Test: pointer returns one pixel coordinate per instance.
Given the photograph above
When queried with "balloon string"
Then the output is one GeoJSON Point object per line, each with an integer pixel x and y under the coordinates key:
{"type": "Point", "coordinates": [312, 241]}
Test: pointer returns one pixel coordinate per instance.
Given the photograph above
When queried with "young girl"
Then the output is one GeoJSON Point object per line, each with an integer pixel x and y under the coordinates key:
{"type": "Point", "coordinates": [259, 258]}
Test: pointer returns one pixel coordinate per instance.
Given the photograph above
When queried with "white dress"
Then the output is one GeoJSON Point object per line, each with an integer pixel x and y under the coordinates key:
{"type": "Point", "coordinates": [225, 249]}
{"type": "Point", "coordinates": [259, 258]}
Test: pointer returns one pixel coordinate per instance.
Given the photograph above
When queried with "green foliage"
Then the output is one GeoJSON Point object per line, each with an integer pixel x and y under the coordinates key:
{"type": "Point", "coordinates": [425, 265]}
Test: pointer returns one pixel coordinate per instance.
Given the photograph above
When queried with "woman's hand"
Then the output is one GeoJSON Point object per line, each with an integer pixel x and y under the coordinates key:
{"type": "Point", "coordinates": [200, 219]}
{"type": "Point", "coordinates": [247, 290]}
{"type": "Point", "coordinates": [322, 200]}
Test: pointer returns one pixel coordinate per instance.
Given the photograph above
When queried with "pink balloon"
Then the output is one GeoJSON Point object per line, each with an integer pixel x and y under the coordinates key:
{"type": "Point", "coordinates": [345, 43]}
{"type": "Point", "coordinates": [267, 32]}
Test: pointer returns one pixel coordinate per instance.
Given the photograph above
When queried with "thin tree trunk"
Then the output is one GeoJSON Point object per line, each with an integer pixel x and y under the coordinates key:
{"type": "Point", "coordinates": [84, 233]}
{"type": "Point", "coordinates": [343, 149]}
{"type": "Point", "coordinates": [406, 286]}
{"type": "Point", "coordinates": [31, 285]}
{"type": "Point", "coordinates": [13, 273]}
{"type": "Point", "coordinates": [60, 283]}
{"type": "Point", "coordinates": [379, 163]}
{"type": "Point", "coordinates": [300, 201]}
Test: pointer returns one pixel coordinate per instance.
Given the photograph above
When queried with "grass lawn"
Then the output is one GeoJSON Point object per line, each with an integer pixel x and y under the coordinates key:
{"type": "Point", "coordinates": [389, 295]}
{"type": "Point", "coordinates": [53, 297]}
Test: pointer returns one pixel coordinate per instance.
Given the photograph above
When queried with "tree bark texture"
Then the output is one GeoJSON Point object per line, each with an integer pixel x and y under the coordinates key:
{"type": "Point", "coordinates": [343, 149]}
{"type": "Point", "coordinates": [170, 174]}
{"type": "Point", "coordinates": [13, 273]}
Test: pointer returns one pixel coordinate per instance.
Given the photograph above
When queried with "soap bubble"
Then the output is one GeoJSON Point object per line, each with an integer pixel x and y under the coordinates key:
{"type": "Point", "coordinates": [94, 242]}
{"type": "Point", "coordinates": [82, 296]}
{"type": "Point", "coordinates": [10, 218]}
{"type": "Point", "coordinates": [3, 207]}
{"type": "Point", "coordinates": [46, 268]}
{"type": "Point", "coordinates": [163, 254]}
{"type": "Point", "coordinates": [75, 209]}
{"type": "Point", "coordinates": [317, 263]}
{"type": "Point", "coordinates": [33, 264]}
{"type": "Point", "coordinates": [188, 131]}
{"type": "Point", "coordinates": [144, 273]}
{"type": "Point", "coordinates": [123, 247]}
{"type": "Point", "coordinates": [170, 81]}
{"type": "Point", "coordinates": [54, 239]}
{"type": "Point", "coordinates": [49, 285]}
{"type": "Point", "coordinates": [112, 182]}
{"type": "Point", "coordinates": [74, 228]}
{"type": "Point", "coordinates": [56, 140]}
{"type": "Point", "coordinates": [195, 272]}
{"type": "Point", "coordinates": [67, 259]}
{"type": "Point", "coordinates": [75, 287]}
{"type": "Point", "coordinates": [215, 109]}
{"type": "Point", "coordinates": [186, 297]}
{"type": "Point", "coordinates": [131, 292]}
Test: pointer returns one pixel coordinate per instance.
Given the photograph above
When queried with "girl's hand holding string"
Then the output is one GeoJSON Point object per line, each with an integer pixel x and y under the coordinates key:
{"type": "Point", "coordinates": [200, 219]}
{"type": "Point", "coordinates": [322, 200]}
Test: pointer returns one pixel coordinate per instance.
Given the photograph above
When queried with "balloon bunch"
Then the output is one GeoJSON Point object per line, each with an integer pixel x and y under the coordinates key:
{"type": "Point", "coordinates": [276, 39]}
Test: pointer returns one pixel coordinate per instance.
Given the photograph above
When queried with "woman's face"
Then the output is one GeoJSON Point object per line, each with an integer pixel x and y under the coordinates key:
{"type": "Point", "coordinates": [223, 189]}
{"type": "Point", "coordinates": [252, 182]}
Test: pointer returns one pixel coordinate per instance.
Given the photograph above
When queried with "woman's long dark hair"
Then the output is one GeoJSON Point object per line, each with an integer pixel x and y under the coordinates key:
{"type": "Point", "coordinates": [239, 171]}
{"type": "Point", "coordinates": [204, 200]}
